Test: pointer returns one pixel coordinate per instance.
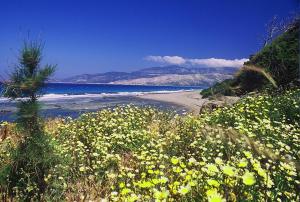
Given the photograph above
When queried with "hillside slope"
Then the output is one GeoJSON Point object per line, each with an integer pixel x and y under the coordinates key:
{"type": "Point", "coordinates": [279, 59]}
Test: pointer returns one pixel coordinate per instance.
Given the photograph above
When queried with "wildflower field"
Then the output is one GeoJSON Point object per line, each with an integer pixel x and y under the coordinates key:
{"type": "Point", "coordinates": [247, 152]}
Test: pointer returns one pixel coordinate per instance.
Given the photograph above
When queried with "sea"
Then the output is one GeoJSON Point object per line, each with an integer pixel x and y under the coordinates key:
{"type": "Point", "coordinates": [73, 99]}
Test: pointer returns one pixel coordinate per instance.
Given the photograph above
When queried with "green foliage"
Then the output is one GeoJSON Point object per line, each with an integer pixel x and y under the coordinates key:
{"type": "Point", "coordinates": [27, 117]}
{"type": "Point", "coordinates": [28, 77]}
{"type": "Point", "coordinates": [31, 161]}
{"type": "Point", "coordinates": [221, 88]}
{"type": "Point", "coordinates": [281, 57]}
{"type": "Point", "coordinates": [279, 60]}
{"type": "Point", "coordinates": [249, 81]}
{"type": "Point", "coordinates": [264, 116]}
{"type": "Point", "coordinates": [251, 78]}
{"type": "Point", "coordinates": [23, 176]}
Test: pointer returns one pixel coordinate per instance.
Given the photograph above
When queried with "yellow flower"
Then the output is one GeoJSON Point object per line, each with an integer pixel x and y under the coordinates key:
{"type": "Point", "coordinates": [163, 180]}
{"type": "Point", "coordinates": [125, 191]}
{"type": "Point", "coordinates": [145, 184]}
{"type": "Point", "coordinates": [121, 185]}
{"type": "Point", "coordinates": [177, 170]}
{"type": "Point", "coordinates": [228, 170]}
{"type": "Point", "coordinates": [218, 161]}
{"type": "Point", "coordinates": [214, 183]}
{"type": "Point", "coordinates": [155, 181]}
{"type": "Point", "coordinates": [269, 182]}
{"type": "Point", "coordinates": [184, 190]}
{"type": "Point", "coordinates": [130, 175]}
{"type": "Point", "coordinates": [212, 168]}
{"type": "Point", "coordinates": [132, 198]}
{"type": "Point", "coordinates": [248, 154]}
{"type": "Point", "coordinates": [214, 196]}
{"type": "Point", "coordinates": [248, 178]}
{"type": "Point", "coordinates": [262, 172]}
{"type": "Point", "coordinates": [188, 177]}
{"type": "Point", "coordinates": [243, 163]}
{"type": "Point", "coordinates": [211, 192]}
{"type": "Point", "coordinates": [82, 169]}
{"type": "Point", "coordinates": [182, 165]}
{"type": "Point", "coordinates": [286, 166]}
{"type": "Point", "coordinates": [174, 160]}
{"type": "Point", "coordinates": [192, 161]}
{"type": "Point", "coordinates": [192, 183]}
{"type": "Point", "coordinates": [160, 195]}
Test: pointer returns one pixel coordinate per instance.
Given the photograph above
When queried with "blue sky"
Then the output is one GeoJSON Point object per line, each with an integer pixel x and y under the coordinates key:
{"type": "Point", "coordinates": [85, 36]}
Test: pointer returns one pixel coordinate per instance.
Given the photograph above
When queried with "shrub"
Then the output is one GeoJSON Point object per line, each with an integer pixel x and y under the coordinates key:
{"type": "Point", "coordinates": [279, 59]}
{"type": "Point", "coordinates": [222, 88]}
{"type": "Point", "coordinates": [23, 176]}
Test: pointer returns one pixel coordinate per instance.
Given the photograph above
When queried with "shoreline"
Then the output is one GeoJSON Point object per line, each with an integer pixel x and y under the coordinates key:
{"type": "Point", "coordinates": [58, 97]}
{"type": "Point", "coordinates": [74, 106]}
{"type": "Point", "coordinates": [191, 100]}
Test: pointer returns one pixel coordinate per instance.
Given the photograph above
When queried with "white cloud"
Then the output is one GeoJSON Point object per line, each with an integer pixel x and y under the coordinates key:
{"type": "Point", "coordinates": [209, 62]}
{"type": "Point", "coordinates": [175, 60]}
{"type": "Point", "coordinates": [215, 62]}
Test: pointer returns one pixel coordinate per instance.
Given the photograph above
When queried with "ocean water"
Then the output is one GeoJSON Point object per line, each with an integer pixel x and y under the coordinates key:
{"type": "Point", "coordinates": [67, 99]}
{"type": "Point", "coordinates": [79, 89]}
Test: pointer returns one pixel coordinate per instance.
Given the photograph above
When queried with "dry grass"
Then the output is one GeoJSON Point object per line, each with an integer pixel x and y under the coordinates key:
{"type": "Point", "coordinates": [260, 71]}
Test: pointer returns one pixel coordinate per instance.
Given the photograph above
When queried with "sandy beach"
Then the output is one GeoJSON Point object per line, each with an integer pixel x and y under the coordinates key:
{"type": "Point", "coordinates": [191, 100]}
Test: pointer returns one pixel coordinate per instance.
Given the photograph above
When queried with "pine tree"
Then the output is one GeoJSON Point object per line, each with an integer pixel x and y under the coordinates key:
{"type": "Point", "coordinates": [32, 158]}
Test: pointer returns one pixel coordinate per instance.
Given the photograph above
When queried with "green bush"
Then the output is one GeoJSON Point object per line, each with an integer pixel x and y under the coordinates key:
{"type": "Point", "coordinates": [279, 59]}
{"type": "Point", "coordinates": [221, 88]}
{"type": "Point", "coordinates": [31, 159]}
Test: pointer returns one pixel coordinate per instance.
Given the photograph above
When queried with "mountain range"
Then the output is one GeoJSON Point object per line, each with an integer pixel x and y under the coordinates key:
{"type": "Point", "coordinates": [167, 75]}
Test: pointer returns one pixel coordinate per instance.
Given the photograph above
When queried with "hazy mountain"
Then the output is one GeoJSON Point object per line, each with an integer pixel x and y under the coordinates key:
{"type": "Point", "coordinates": [168, 75]}
{"type": "Point", "coordinates": [178, 80]}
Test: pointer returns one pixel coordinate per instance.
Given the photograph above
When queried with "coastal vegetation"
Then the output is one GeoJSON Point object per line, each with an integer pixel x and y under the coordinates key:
{"type": "Point", "coordinates": [248, 152]}
{"type": "Point", "coordinates": [278, 60]}
{"type": "Point", "coordinates": [32, 158]}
